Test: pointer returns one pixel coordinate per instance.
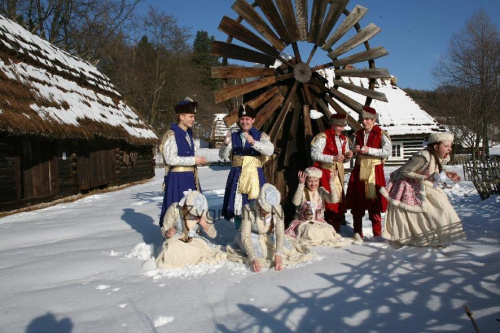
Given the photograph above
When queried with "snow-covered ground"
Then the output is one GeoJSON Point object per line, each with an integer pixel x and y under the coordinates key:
{"type": "Point", "coordinates": [87, 266]}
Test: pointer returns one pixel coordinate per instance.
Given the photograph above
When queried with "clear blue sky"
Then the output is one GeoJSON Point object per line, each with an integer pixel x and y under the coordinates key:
{"type": "Point", "coordinates": [415, 32]}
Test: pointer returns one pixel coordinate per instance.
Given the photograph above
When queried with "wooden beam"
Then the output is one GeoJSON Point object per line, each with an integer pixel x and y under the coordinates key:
{"type": "Point", "coordinates": [317, 15]}
{"type": "Point", "coordinates": [367, 55]}
{"type": "Point", "coordinates": [350, 120]}
{"type": "Point", "coordinates": [240, 32]}
{"type": "Point", "coordinates": [363, 91]}
{"type": "Point", "coordinates": [237, 72]}
{"type": "Point", "coordinates": [232, 118]}
{"type": "Point", "coordinates": [354, 17]}
{"type": "Point", "coordinates": [278, 124]}
{"type": "Point", "coordinates": [336, 9]}
{"type": "Point", "coordinates": [272, 14]}
{"type": "Point", "coordinates": [364, 35]}
{"type": "Point", "coordinates": [288, 15]}
{"type": "Point", "coordinates": [291, 145]}
{"type": "Point", "coordinates": [226, 50]}
{"type": "Point", "coordinates": [268, 110]}
{"type": "Point", "coordinates": [302, 21]}
{"type": "Point", "coordinates": [249, 14]}
{"type": "Point", "coordinates": [369, 73]}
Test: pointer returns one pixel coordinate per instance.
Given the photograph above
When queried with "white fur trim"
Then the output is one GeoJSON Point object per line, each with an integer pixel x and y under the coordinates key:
{"type": "Point", "coordinates": [440, 137]}
{"type": "Point", "coordinates": [313, 172]}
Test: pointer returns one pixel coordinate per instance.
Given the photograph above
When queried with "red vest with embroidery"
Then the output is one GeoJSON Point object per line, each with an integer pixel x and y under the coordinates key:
{"type": "Point", "coordinates": [331, 145]}
{"type": "Point", "coordinates": [374, 138]}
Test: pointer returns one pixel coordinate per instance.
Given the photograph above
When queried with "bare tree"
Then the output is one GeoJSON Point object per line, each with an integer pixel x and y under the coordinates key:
{"type": "Point", "coordinates": [470, 75]}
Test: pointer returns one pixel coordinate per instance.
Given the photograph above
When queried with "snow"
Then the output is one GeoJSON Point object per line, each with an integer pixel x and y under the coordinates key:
{"type": "Point", "coordinates": [87, 266]}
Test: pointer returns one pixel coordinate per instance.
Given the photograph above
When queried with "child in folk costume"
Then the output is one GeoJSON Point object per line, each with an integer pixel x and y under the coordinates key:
{"type": "Point", "coordinates": [180, 156]}
{"type": "Point", "coordinates": [330, 150]}
{"type": "Point", "coordinates": [419, 212]}
{"type": "Point", "coordinates": [248, 149]}
{"type": "Point", "coordinates": [262, 238]}
{"type": "Point", "coordinates": [372, 146]}
{"type": "Point", "coordinates": [309, 227]}
{"type": "Point", "coordinates": [181, 228]}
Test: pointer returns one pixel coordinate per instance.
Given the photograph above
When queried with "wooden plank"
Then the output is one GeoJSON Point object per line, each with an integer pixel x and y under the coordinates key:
{"type": "Point", "coordinates": [291, 145]}
{"type": "Point", "coordinates": [232, 118]}
{"type": "Point", "coordinates": [278, 124]}
{"type": "Point", "coordinates": [249, 14]}
{"type": "Point", "coordinates": [363, 91]}
{"type": "Point", "coordinates": [354, 17]}
{"type": "Point", "coordinates": [268, 110]}
{"type": "Point", "coordinates": [317, 15]}
{"type": "Point", "coordinates": [371, 54]}
{"type": "Point", "coordinates": [361, 37]}
{"type": "Point", "coordinates": [240, 32]}
{"type": "Point", "coordinates": [302, 15]}
{"type": "Point", "coordinates": [237, 72]}
{"type": "Point", "coordinates": [336, 9]}
{"type": "Point", "coordinates": [350, 120]}
{"type": "Point", "coordinates": [307, 132]}
{"type": "Point", "coordinates": [237, 90]}
{"type": "Point", "coordinates": [288, 15]}
{"type": "Point", "coordinates": [222, 49]}
{"type": "Point", "coordinates": [369, 73]}
{"type": "Point", "coordinates": [355, 106]}
{"type": "Point", "coordinates": [272, 14]}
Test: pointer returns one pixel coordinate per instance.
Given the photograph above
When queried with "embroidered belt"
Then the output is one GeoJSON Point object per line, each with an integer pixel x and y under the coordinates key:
{"type": "Point", "coordinates": [367, 173]}
{"type": "Point", "coordinates": [181, 168]}
{"type": "Point", "coordinates": [249, 178]}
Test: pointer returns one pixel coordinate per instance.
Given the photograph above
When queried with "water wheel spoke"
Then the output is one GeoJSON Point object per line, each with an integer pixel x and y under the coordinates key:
{"type": "Point", "coordinates": [249, 14]}
{"type": "Point", "coordinates": [354, 17]}
{"type": "Point", "coordinates": [278, 124]}
{"type": "Point", "coordinates": [288, 15]}
{"type": "Point", "coordinates": [232, 118]}
{"type": "Point", "coordinates": [340, 110]}
{"type": "Point", "coordinates": [311, 55]}
{"type": "Point", "coordinates": [264, 114]}
{"type": "Point", "coordinates": [369, 73]}
{"type": "Point", "coordinates": [272, 14]}
{"type": "Point", "coordinates": [363, 91]}
{"type": "Point", "coordinates": [317, 16]}
{"type": "Point", "coordinates": [222, 49]}
{"type": "Point", "coordinates": [364, 35]}
{"type": "Point", "coordinates": [370, 54]}
{"type": "Point", "coordinates": [302, 18]}
{"type": "Point", "coordinates": [334, 12]}
{"type": "Point", "coordinates": [240, 72]}
{"type": "Point", "coordinates": [240, 32]}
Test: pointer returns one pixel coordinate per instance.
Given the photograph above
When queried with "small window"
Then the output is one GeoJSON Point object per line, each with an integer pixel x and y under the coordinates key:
{"type": "Point", "coordinates": [397, 151]}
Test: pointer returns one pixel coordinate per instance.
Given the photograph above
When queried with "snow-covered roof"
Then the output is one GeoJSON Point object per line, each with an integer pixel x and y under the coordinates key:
{"type": "Point", "coordinates": [47, 91]}
{"type": "Point", "coordinates": [401, 115]}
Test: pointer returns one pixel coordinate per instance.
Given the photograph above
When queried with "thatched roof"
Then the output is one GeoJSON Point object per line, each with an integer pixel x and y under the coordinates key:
{"type": "Point", "coordinates": [46, 91]}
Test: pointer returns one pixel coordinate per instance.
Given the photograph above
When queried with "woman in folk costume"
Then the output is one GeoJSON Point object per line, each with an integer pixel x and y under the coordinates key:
{"type": "Point", "coordinates": [309, 227]}
{"type": "Point", "coordinates": [330, 150]}
{"type": "Point", "coordinates": [419, 213]}
{"type": "Point", "coordinates": [248, 149]}
{"type": "Point", "coordinates": [181, 228]}
{"type": "Point", "coordinates": [262, 238]}
{"type": "Point", "coordinates": [372, 146]}
{"type": "Point", "coordinates": [179, 156]}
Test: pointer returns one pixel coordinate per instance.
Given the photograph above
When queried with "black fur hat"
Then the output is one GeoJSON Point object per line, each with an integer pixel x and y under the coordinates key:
{"type": "Point", "coordinates": [186, 106]}
{"type": "Point", "coordinates": [246, 111]}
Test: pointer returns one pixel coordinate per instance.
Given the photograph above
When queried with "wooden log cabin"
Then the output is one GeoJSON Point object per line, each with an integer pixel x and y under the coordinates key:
{"type": "Point", "coordinates": [64, 128]}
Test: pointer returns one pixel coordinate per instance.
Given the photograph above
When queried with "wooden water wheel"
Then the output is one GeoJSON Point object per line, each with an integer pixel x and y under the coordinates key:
{"type": "Point", "coordinates": [285, 94]}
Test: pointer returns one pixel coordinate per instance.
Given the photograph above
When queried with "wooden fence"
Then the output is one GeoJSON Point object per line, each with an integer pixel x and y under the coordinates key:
{"type": "Point", "coordinates": [486, 176]}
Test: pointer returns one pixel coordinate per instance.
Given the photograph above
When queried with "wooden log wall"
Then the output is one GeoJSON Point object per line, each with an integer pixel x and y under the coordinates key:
{"type": "Point", "coordinates": [34, 170]}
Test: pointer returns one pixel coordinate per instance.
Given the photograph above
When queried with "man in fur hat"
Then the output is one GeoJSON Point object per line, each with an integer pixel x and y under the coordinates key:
{"type": "Point", "coordinates": [179, 156]}
{"type": "Point", "coordinates": [329, 151]}
{"type": "Point", "coordinates": [372, 146]}
{"type": "Point", "coordinates": [247, 149]}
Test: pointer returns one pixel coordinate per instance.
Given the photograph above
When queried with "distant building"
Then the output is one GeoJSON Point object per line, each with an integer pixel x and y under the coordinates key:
{"type": "Point", "coordinates": [64, 128]}
{"type": "Point", "coordinates": [408, 125]}
{"type": "Point", "coordinates": [219, 130]}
